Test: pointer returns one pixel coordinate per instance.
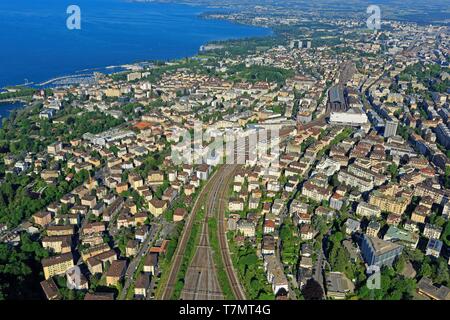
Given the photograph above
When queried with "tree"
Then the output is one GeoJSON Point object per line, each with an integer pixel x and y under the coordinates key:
{"type": "Point", "coordinates": [426, 270]}
{"type": "Point", "coordinates": [393, 287]}
{"type": "Point", "coordinates": [399, 264]}
{"type": "Point", "coordinates": [446, 234]}
{"type": "Point", "coordinates": [20, 270]}
{"type": "Point", "coordinates": [312, 290]}
{"type": "Point", "coordinates": [442, 274]}
{"type": "Point", "coordinates": [393, 170]}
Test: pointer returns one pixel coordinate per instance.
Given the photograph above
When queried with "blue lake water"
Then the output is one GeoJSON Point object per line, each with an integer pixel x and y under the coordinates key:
{"type": "Point", "coordinates": [6, 108]}
{"type": "Point", "coordinates": [36, 44]}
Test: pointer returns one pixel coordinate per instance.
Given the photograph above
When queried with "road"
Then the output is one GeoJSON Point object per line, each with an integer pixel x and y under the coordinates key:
{"type": "Point", "coordinates": [318, 269]}
{"type": "Point", "coordinates": [134, 264]}
{"type": "Point", "coordinates": [282, 216]}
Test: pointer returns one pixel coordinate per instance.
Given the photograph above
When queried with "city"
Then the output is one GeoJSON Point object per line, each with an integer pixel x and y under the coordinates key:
{"type": "Point", "coordinates": [338, 186]}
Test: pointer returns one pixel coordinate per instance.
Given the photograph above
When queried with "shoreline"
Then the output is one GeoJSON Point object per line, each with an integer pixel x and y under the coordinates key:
{"type": "Point", "coordinates": [124, 66]}
{"type": "Point", "coordinates": [7, 107]}
{"type": "Point", "coordinates": [93, 69]}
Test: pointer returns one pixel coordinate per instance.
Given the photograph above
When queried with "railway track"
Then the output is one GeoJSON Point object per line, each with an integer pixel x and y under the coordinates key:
{"type": "Point", "coordinates": [201, 277]}
{"type": "Point", "coordinates": [169, 286]}
{"type": "Point", "coordinates": [233, 279]}
{"type": "Point", "coordinates": [201, 280]}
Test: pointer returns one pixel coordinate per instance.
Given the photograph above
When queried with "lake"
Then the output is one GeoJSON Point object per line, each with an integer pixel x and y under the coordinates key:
{"type": "Point", "coordinates": [7, 107]}
{"type": "Point", "coordinates": [37, 45]}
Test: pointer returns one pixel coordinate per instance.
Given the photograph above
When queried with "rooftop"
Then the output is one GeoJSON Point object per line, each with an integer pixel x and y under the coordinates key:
{"type": "Point", "coordinates": [381, 246]}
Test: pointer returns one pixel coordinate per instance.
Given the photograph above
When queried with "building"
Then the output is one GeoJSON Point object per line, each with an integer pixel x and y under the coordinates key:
{"type": "Point", "coordinates": [403, 237]}
{"type": "Point", "coordinates": [169, 195]}
{"type": "Point", "coordinates": [142, 285]}
{"type": "Point", "coordinates": [235, 205]}
{"type": "Point", "coordinates": [314, 192]}
{"type": "Point", "coordinates": [57, 265]}
{"type": "Point", "coordinates": [54, 148]}
{"type": "Point", "coordinates": [269, 226]}
{"type": "Point", "coordinates": [352, 226]}
{"type": "Point", "coordinates": [116, 272]}
{"type": "Point", "coordinates": [306, 232]}
{"type": "Point", "coordinates": [390, 128]}
{"type": "Point", "coordinates": [275, 274]}
{"type": "Point", "coordinates": [131, 248]}
{"type": "Point", "coordinates": [93, 228]}
{"type": "Point", "coordinates": [246, 228]}
{"type": "Point", "coordinates": [60, 231]}
{"type": "Point", "coordinates": [349, 179]}
{"type": "Point", "coordinates": [393, 219]}
{"type": "Point", "coordinates": [232, 220]}
{"type": "Point", "coordinates": [50, 289]}
{"type": "Point", "coordinates": [338, 286]}
{"type": "Point", "coordinates": [179, 214]}
{"type": "Point", "coordinates": [355, 117]}
{"type": "Point", "coordinates": [89, 201]}
{"type": "Point", "coordinates": [337, 201]}
{"type": "Point", "coordinates": [203, 171]}
{"type": "Point", "coordinates": [155, 178]}
{"type": "Point", "coordinates": [58, 244]}
{"type": "Point", "coordinates": [157, 207]}
{"type": "Point", "coordinates": [426, 288]}
{"type": "Point", "coordinates": [42, 218]}
{"type": "Point", "coordinates": [268, 245]}
{"type": "Point", "coordinates": [96, 263]}
{"type": "Point", "coordinates": [432, 231]}
{"type": "Point", "coordinates": [373, 228]}
{"type": "Point", "coordinates": [434, 248]}
{"type": "Point", "coordinates": [379, 252]}
{"type": "Point", "coordinates": [420, 214]}
{"type": "Point", "coordinates": [151, 263]}
{"type": "Point", "coordinates": [134, 76]}
{"type": "Point", "coordinates": [446, 211]}
{"type": "Point", "coordinates": [94, 251]}
{"type": "Point", "coordinates": [365, 209]}
{"type": "Point", "coordinates": [336, 99]}
{"type": "Point", "coordinates": [75, 279]}
{"type": "Point", "coordinates": [443, 135]}
{"type": "Point", "coordinates": [393, 204]}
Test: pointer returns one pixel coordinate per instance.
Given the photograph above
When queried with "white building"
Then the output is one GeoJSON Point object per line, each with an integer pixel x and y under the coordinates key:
{"type": "Point", "coordinates": [354, 117]}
